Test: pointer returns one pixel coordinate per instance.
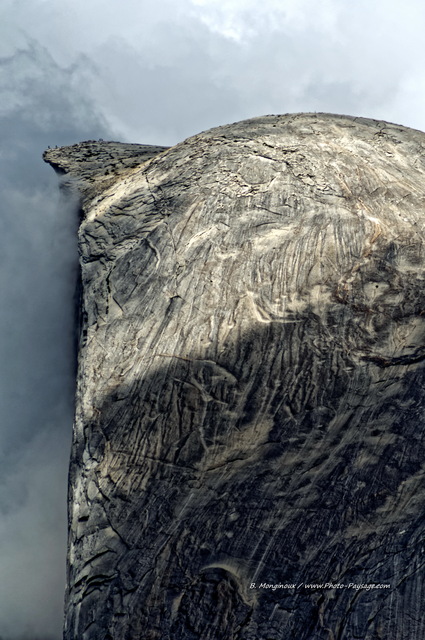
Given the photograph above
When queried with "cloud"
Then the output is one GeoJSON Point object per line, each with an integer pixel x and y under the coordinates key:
{"type": "Point", "coordinates": [41, 105]}
{"type": "Point", "coordinates": [159, 72]}
{"type": "Point", "coordinates": [33, 533]}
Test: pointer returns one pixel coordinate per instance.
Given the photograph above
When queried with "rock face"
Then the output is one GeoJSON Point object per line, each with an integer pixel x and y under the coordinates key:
{"type": "Point", "coordinates": [248, 456]}
{"type": "Point", "coordinates": [93, 166]}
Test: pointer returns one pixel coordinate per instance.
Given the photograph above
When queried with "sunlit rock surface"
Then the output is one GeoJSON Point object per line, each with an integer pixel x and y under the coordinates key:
{"type": "Point", "coordinates": [250, 387]}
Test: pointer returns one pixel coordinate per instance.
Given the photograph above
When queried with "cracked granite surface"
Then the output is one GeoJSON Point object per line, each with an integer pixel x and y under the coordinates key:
{"type": "Point", "coordinates": [250, 387]}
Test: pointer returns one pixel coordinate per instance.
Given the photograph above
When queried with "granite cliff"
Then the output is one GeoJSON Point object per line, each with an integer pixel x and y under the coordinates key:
{"type": "Point", "coordinates": [248, 454]}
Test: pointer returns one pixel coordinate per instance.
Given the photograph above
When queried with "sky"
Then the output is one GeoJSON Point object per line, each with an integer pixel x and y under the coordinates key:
{"type": "Point", "coordinates": [152, 73]}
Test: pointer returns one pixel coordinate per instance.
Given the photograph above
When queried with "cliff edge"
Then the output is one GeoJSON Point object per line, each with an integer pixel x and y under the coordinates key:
{"type": "Point", "coordinates": [248, 451]}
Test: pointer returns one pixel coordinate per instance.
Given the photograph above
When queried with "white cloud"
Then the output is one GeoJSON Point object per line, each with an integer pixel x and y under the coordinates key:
{"type": "Point", "coordinates": [161, 71]}
{"type": "Point", "coordinates": [242, 19]}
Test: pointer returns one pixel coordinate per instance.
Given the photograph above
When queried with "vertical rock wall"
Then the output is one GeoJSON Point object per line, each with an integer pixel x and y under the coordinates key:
{"type": "Point", "coordinates": [249, 427]}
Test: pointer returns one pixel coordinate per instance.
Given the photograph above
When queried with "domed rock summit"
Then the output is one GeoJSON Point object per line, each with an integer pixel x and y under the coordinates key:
{"type": "Point", "coordinates": [248, 453]}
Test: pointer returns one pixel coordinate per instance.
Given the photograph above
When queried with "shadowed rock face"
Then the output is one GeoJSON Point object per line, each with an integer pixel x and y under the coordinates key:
{"type": "Point", "coordinates": [250, 387]}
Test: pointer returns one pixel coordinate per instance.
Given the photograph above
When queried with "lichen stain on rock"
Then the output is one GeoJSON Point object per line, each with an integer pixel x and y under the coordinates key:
{"type": "Point", "coordinates": [250, 387]}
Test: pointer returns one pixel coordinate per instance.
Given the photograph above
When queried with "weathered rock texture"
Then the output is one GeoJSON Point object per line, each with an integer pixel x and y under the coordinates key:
{"type": "Point", "coordinates": [250, 388]}
{"type": "Point", "coordinates": [93, 166]}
